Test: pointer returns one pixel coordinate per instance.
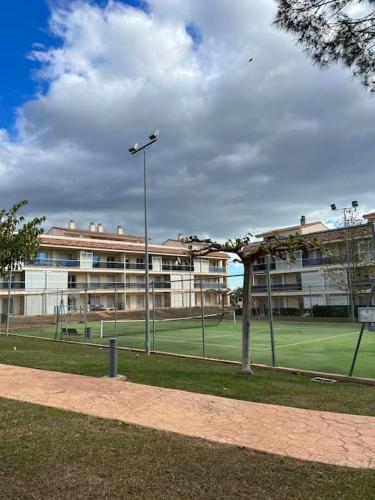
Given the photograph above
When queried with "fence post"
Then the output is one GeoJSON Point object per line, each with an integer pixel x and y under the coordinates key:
{"type": "Point", "coordinates": [9, 297]}
{"type": "Point", "coordinates": [112, 357]}
{"type": "Point", "coordinates": [202, 321]}
{"type": "Point", "coordinates": [115, 299]}
{"type": "Point", "coordinates": [270, 312]}
{"type": "Point", "coordinates": [153, 314]}
{"type": "Point", "coordinates": [85, 311]}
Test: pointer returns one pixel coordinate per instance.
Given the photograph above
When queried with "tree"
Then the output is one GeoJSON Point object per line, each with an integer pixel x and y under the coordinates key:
{"type": "Point", "coordinates": [248, 253]}
{"type": "Point", "coordinates": [19, 241]}
{"type": "Point", "coordinates": [236, 296]}
{"type": "Point", "coordinates": [333, 31]}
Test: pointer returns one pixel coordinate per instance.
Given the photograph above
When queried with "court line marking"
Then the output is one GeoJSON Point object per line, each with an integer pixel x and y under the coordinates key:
{"type": "Point", "coordinates": [257, 347]}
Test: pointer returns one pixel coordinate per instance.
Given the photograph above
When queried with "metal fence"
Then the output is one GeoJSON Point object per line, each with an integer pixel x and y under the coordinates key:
{"type": "Point", "coordinates": [205, 321]}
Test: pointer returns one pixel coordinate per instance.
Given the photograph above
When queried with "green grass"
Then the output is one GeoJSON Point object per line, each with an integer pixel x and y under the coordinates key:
{"type": "Point", "coordinates": [191, 375]}
{"type": "Point", "coordinates": [325, 347]}
{"type": "Point", "coordinates": [48, 453]}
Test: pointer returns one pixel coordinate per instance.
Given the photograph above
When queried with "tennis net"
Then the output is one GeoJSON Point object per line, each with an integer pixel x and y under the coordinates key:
{"type": "Point", "coordinates": [131, 327]}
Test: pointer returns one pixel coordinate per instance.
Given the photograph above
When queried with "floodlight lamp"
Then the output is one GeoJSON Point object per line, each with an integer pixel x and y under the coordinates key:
{"type": "Point", "coordinates": [154, 136]}
{"type": "Point", "coordinates": [133, 149]}
{"type": "Point", "coordinates": [333, 206]}
{"type": "Point", "coordinates": [355, 204]}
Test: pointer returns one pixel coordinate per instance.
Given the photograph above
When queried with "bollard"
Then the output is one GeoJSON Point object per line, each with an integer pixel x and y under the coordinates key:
{"type": "Point", "coordinates": [88, 333]}
{"type": "Point", "coordinates": [113, 358]}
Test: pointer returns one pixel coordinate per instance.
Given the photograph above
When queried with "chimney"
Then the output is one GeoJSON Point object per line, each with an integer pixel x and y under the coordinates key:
{"type": "Point", "coordinates": [92, 227]}
{"type": "Point", "coordinates": [120, 230]}
{"type": "Point", "coordinates": [303, 220]}
{"type": "Point", "coordinates": [100, 228]}
{"type": "Point", "coordinates": [71, 224]}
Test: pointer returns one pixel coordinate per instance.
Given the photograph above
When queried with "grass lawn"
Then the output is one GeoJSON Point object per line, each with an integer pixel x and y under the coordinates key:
{"type": "Point", "coordinates": [48, 453]}
{"type": "Point", "coordinates": [191, 375]}
{"type": "Point", "coordinates": [326, 347]}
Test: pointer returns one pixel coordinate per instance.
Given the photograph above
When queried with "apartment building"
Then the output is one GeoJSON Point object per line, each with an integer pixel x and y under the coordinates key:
{"type": "Point", "coordinates": [100, 271]}
{"type": "Point", "coordinates": [316, 277]}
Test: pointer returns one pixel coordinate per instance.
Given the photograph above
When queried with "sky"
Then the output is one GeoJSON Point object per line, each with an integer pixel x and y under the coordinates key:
{"type": "Point", "coordinates": [243, 146]}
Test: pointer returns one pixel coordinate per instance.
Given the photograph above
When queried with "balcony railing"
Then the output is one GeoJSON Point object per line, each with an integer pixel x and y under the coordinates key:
{"type": "Point", "coordinates": [209, 284]}
{"type": "Point", "coordinates": [263, 267]}
{"type": "Point", "coordinates": [95, 286]}
{"type": "Point", "coordinates": [217, 269]}
{"type": "Point", "coordinates": [322, 260]}
{"type": "Point", "coordinates": [280, 287]}
{"type": "Point", "coordinates": [177, 267]}
{"type": "Point", "coordinates": [116, 286]}
{"type": "Point", "coordinates": [107, 265]}
{"type": "Point", "coordinates": [138, 266]}
{"type": "Point", "coordinates": [53, 263]}
{"type": "Point", "coordinates": [15, 285]}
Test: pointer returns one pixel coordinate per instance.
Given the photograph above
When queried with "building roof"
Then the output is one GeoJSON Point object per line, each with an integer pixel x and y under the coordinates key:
{"type": "Point", "coordinates": [113, 245]}
{"type": "Point", "coordinates": [330, 235]}
{"type": "Point", "coordinates": [339, 234]}
{"type": "Point", "coordinates": [291, 228]}
{"type": "Point", "coordinates": [86, 233]}
{"type": "Point", "coordinates": [370, 215]}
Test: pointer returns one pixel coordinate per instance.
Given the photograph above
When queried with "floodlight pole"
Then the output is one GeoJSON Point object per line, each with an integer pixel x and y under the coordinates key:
{"type": "Point", "coordinates": [134, 150]}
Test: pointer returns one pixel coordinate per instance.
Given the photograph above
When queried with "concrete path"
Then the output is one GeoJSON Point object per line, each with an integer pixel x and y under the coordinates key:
{"type": "Point", "coordinates": [334, 438]}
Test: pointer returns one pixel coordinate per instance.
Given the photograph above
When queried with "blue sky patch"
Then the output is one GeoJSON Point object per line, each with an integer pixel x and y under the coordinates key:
{"type": "Point", "coordinates": [195, 33]}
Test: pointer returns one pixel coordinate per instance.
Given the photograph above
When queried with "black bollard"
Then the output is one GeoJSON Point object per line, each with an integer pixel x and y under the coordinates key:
{"type": "Point", "coordinates": [113, 358]}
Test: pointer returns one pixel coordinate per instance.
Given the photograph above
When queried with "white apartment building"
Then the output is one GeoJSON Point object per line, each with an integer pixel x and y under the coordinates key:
{"type": "Point", "coordinates": [309, 279]}
{"type": "Point", "coordinates": [100, 271]}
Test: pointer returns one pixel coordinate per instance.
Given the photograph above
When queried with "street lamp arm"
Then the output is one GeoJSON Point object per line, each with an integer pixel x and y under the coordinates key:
{"type": "Point", "coordinates": [134, 150]}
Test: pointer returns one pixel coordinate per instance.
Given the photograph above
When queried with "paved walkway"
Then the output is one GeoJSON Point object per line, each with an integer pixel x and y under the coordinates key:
{"type": "Point", "coordinates": [334, 438]}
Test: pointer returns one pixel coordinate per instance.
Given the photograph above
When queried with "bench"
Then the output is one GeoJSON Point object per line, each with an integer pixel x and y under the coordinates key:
{"type": "Point", "coordinates": [70, 331]}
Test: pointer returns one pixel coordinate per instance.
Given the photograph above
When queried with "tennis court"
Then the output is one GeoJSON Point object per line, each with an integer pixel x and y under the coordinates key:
{"type": "Point", "coordinates": [325, 347]}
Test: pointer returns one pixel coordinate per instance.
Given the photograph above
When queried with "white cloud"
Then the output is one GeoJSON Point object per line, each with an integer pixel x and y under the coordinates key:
{"type": "Point", "coordinates": [243, 145]}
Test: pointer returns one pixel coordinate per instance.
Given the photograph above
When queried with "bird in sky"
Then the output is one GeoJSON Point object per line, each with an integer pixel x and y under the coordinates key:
{"type": "Point", "coordinates": [250, 59]}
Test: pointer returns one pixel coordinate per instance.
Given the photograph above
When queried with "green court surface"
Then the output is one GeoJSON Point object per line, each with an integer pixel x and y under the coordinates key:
{"type": "Point", "coordinates": [324, 347]}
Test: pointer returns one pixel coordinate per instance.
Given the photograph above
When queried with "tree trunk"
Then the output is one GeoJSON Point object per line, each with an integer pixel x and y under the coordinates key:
{"type": "Point", "coordinates": [246, 309]}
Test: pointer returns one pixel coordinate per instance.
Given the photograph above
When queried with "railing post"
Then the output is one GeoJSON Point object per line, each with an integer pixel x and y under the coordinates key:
{"type": "Point", "coordinates": [112, 358]}
{"type": "Point", "coordinates": [202, 321]}
{"type": "Point", "coordinates": [9, 297]}
{"type": "Point", "coordinates": [270, 312]}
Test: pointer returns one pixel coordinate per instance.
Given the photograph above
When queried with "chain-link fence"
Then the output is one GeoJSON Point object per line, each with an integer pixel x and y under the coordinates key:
{"type": "Point", "coordinates": [311, 325]}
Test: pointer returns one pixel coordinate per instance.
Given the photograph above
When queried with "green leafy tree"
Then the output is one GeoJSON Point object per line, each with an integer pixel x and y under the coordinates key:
{"type": "Point", "coordinates": [334, 31]}
{"type": "Point", "coordinates": [236, 295]}
{"type": "Point", "coordinates": [19, 240]}
{"type": "Point", "coordinates": [248, 253]}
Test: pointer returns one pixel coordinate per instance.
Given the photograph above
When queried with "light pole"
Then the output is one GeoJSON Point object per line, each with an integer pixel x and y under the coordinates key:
{"type": "Point", "coordinates": [133, 151]}
{"type": "Point", "coordinates": [346, 212]}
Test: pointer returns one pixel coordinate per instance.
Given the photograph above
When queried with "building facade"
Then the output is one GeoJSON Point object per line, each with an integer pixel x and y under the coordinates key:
{"type": "Point", "coordinates": [97, 270]}
{"type": "Point", "coordinates": [316, 277]}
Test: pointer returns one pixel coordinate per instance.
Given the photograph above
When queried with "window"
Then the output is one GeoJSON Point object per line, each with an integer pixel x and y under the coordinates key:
{"type": "Point", "coordinates": [95, 261]}
{"type": "Point", "coordinates": [42, 257]}
{"type": "Point", "coordinates": [110, 261]}
{"type": "Point", "coordinates": [72, 281]}
{"type": "Point", "coordinates": [94, 280]}
{"type": "Point", "coordinates": [140, 263]}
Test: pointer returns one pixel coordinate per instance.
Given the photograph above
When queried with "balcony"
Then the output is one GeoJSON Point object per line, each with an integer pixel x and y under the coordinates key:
{"type": "Point", "coordinates": [53, 263]}
{"type": "Point", "coordinates": [217, 269]}
{"type": "Point", "coordinates": [142, 286]}
{"type": "Point", "coordinates": [209, 284]}
{"type": "Point", "coordinates": [96, 286]}
{"type": "Point", "coordinates": [107, 265]}
{"type": "Point", "coordinates": [177, 267]}
{"type": "Point", "coordinates": [137, 266]}
{"type": "Point", "coordinates": [263, 267]}
{"type": "Point", "coordinates": [280, 287]}
{"type": "Point", "coordinates": [15, 285]}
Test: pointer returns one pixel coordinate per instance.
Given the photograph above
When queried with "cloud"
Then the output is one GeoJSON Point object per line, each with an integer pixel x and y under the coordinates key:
{"type": "Point", "coordinates": [242, 147]}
